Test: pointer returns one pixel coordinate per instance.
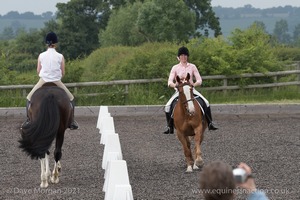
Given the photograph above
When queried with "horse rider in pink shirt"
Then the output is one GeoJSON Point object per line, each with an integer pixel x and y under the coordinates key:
{"type": "Point", "coordinates": [181, 70]}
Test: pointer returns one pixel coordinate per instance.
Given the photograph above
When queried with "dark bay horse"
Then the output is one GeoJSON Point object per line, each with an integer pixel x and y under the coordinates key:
{"type": "Point", "coordinates": [50, 115]}
{"type": "Point", "coordinates": [189, 121]}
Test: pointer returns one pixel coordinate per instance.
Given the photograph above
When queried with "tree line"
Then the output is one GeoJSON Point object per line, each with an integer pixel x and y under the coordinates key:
{"type": "Point", "coordinates": [84, 26]}
{"type": "Point", "coordinates": [249, 11]}
{"type": "Point", "coordinates": [27, 15]}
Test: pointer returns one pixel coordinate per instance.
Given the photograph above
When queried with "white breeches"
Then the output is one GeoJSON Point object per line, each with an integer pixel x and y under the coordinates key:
{"type": "Point", "coordinates": [168, 105]}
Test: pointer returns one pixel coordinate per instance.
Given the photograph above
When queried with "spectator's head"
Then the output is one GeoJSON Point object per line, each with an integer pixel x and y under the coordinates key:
{"type": "Point", "coordinates": [217, 181]}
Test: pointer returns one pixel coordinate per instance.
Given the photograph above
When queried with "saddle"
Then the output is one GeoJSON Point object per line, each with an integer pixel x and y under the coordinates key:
{"type": "Point", "coordinates": [199, 101]}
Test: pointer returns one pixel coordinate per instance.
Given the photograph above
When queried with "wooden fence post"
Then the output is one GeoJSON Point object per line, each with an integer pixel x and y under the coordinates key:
{"type": "Point", "coordinates": [225, 83]}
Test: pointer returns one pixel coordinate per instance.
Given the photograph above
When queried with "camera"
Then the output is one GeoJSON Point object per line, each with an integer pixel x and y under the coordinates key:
{"type": "Point", "coordinates": [240, 175]}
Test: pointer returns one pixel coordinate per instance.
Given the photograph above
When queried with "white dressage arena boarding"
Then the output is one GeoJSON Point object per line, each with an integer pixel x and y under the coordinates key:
{"type": "Point", "coordinates": [116, 180]}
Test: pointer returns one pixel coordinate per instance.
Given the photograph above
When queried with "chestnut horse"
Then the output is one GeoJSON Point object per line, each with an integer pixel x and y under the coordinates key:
{"type": "Point", "coordinates": [50, 115]}
{"type": "Point", "coordinates": [189, 121]}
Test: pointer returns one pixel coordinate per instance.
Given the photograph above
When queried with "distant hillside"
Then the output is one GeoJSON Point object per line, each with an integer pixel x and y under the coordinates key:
{"type": "Point", "coordinates": [27, 20]}
{"type": "Point", "coordinates": [230, 18]}
{"type": "Point", "coordinates": [27, 24]}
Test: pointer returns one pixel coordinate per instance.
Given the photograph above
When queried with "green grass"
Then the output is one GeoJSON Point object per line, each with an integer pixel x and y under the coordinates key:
{"type": "Point", "coordinates": [289, 94]}
{"type": "Point", "coordinates": [158, 94]}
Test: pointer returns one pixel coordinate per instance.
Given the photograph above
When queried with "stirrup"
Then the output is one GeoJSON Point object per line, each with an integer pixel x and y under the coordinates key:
{"type": "Point", "coordinates": [74, 125]}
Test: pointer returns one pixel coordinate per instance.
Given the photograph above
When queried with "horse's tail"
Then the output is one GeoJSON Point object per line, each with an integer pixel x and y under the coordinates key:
{"type": "Point", "coordinates": [39, 135]}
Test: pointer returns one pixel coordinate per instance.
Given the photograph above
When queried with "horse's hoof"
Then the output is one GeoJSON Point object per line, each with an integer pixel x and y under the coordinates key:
{"type": "Point", "coordinates": [195, 167]}
{"type": "Point", "coordinates": [54, 180]}
{"type": "Point", "coordinates": [189, 169]}
{"type": "Point", "coordinates": [44, 185]}
{"type": "Point", "coordinates": [199, 163]}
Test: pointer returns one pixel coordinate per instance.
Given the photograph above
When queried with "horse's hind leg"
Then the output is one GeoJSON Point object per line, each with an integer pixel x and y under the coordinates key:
{"type": "Point", "coordinates": [45, 171]}
{"type": "Point", "coordinates": [55, 173]}
{"type": "Point", "coordinates": [57, 157]}
{"type": "Point", "coordinates": [48, 173]}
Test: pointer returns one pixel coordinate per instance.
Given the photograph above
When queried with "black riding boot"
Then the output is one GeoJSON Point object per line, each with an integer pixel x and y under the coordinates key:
{"type": "Point", "coordinates": [73, 124]}
{"type": "Point", "coordinates": [170, 123]}
{"type": "Point", "coordinates": [27, 120]}
{"type": "Point", "coordinates": [211, 125]}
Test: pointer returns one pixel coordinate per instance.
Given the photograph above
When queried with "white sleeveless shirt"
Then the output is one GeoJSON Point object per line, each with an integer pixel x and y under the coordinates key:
{"type": "Point", "coordinates": [51, 65]}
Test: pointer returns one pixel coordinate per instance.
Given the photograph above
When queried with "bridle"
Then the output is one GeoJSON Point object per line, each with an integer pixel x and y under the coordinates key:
{"type": "Point", "coordinates": [191, 88]}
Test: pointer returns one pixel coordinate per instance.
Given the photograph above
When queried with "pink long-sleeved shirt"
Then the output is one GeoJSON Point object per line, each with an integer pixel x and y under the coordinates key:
{"type": "Point", "coordinates": [181, 71]}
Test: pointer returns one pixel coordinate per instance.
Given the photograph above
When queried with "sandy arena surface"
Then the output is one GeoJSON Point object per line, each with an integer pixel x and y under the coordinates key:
{"type": "Point", "coordinates": [156, 166]}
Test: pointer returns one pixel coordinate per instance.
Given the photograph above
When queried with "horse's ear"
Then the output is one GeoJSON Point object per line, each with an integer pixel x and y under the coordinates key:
{"type": "Point", "coordinates": [188, 76]}
{"type": "Point", "coordinates": [177, 79]}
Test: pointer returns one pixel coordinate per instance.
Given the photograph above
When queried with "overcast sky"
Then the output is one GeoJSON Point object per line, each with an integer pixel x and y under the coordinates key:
{"type": "Point", "coordinates": [41, 6]}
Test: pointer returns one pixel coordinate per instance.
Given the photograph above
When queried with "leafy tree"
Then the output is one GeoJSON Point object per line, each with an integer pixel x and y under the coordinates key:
{"type": "Point", "coordinates": [281, 31]}
{"type": "Point", "coordinates": [21, 53]}
{"type": "Point", "coordinates": [261, 25]}
{"type": "Point", "coordinates": [30, 43]}
{"type": "Point", "coordinates": [16, 25]}
{"type": "Point", "coordinates": [47, 15]}
{"type": "Point", "coordinates": [253, 50]}
{"type": "Point", "coordinates": [29, 15]}
{"type": "Point", "coordinates": [245, 51]}
{"type": "Point", "coordinates": [7, 33]}
{"type": "Point", "coordinates": [12, 15]}
{"type": "Point", "coordinates": [168, 20]}
{"type": "Point", "coordinates": [152, 21]}
{"type": "Point", "coordinates": [296, 34]}
{"type": "Point", "coordinates": [7, 76]}
{"type": "Point", "coordinates": [205, 16]}
{"type": "Point", "coordinates": [79, 27]}
{"type": "Point", "coordinates": [121, 28]}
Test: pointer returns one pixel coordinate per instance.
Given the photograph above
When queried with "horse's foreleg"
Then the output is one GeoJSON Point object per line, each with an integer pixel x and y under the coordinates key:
{"type": "Point", "coordinates": [187, 151]}
{"type": "Point", "coordinates": [44, 175]}
{"type": "Point", "coordinates": [198, 159]}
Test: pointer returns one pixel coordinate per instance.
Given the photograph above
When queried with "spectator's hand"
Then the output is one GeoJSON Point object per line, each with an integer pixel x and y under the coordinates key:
{"type": "Point", "coordinates": [249, 184]}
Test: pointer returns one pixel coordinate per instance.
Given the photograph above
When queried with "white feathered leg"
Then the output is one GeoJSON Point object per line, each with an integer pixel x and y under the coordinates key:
{"type": "Point", "coordinates": [48, 173]}
{"type": "Point", "coordinates": [55, 173]}
{"type": "Point", "coordinates": [44, 176]}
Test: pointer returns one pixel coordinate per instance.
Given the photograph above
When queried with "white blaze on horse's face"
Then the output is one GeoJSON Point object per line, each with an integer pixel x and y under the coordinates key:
{"type": "Point", "coordinates": [190, 103]}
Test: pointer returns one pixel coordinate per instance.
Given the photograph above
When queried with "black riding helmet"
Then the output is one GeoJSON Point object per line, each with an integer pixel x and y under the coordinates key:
{"type": "Point", "coordinates": [51, 38]}
{"type": "Point", "coordinates": [183, 50]}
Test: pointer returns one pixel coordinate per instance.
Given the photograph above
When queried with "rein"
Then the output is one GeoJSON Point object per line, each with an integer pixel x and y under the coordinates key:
{"type": "Point", "coordinates": [192, 99]}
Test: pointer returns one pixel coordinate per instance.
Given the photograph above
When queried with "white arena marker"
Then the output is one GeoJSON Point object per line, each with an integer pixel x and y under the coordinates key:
{"type": "Point", "coordinates": [111, 156]}
{"type": "Point", "coordinates": [103, 112]}
{"type": "Point", "coordinates": [112, 145]}
{"type": "Point", "coordinates": [118, 175]}
{"type": "Point", "coordinates": [107, 127]}
{"type": "Point", "coordinates": [123, 192]}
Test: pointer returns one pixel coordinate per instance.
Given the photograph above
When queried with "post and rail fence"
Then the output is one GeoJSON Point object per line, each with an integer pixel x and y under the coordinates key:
{"type": "Point", "coordinates": [224, 87]}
